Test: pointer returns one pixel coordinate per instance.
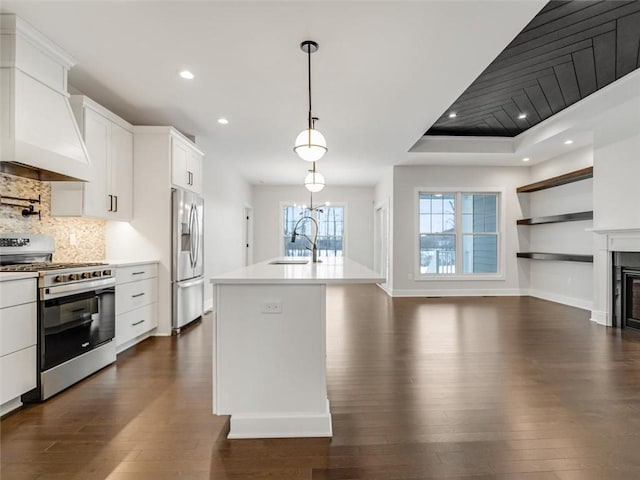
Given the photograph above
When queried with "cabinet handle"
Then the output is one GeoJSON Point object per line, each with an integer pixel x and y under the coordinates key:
{"type": "Point", "coordinates": [111, 203]}
{"type": "Point", "coordinates": [137, 273]}
{"type": "Point", "coordinates": [188, 177]}
{"type": "Point", "coordinates": [137, 295]}
{"type": "Point", "coordinates": [116, 197]}
{"type": "Point", "coordinates": [137, 323]}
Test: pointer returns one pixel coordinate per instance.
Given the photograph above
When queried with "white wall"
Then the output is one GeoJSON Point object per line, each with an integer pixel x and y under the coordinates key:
{"type": "Point", "coordinates": [383, 198]}
{"type": "Point", "coordinates": [358, 202]}
{"type": "Point", "coordinates": [407, 179]}
{"type": "Point", "coordinates": [570, 283]}
{"type": "Point", "coordinates": [225, 194]}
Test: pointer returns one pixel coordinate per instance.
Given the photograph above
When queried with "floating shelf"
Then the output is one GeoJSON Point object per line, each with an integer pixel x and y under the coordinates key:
{"type": "Point", "coordinates": [567, 257]}
{"type": "Point", "coordinates": [571, 177]}
{"type": "Point", "coordinates": [567, 217]}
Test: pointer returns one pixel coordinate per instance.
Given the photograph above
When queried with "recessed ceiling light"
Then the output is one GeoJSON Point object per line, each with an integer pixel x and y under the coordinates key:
{"type": "Point", "coordinates": [187, 74]}
{"type": "Point", "coordinates": [522, 116]}
{"type": "Point", "coordinates": [223, 121]}
{"type": "Point", "coordinates": [568, 142]}
{"type": "Point", "coordinates": [526, 159]}
{"type": "Point", "coordinates": [453, 115]}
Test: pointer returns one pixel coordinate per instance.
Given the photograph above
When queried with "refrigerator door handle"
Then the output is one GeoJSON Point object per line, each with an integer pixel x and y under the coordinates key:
{"type": "Point", "coordinates": [196, 227]}
{"type": "Point", "coordinates": [192, 242]}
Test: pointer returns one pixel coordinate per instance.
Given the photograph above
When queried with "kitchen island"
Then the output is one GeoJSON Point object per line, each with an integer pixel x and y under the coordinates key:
{"type": "Point", "coordinates": [269, 361]}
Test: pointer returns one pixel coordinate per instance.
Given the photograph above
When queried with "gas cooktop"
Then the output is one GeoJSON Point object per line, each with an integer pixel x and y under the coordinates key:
{"type": "Point", "coordinates": [42, 266]}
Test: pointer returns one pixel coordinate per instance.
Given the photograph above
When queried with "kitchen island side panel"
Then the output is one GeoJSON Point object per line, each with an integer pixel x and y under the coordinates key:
{"type": "Point", "coordinates": [270, 366]}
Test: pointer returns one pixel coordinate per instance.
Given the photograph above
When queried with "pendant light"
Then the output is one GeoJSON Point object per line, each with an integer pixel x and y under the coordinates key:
{"type": "Point", "coordinates": [314, 180]}
{"type": "Point", "coordinates": [310, 144]}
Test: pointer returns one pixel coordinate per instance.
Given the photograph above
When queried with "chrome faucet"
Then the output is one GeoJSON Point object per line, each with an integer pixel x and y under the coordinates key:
{"type": "Point", "coordinates": [314, 242]}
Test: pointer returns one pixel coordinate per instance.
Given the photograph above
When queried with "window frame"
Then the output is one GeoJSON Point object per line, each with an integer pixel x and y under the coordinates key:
{"type": "Point", "coordinates": [332, 204]}
{"type": "Point", "coordinates": [500, 225]}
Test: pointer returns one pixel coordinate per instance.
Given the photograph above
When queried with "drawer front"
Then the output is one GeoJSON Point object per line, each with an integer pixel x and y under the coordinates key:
{"type": "Point", "coordinates": [136, 322]}
{"type": "Point", "coordinates": [18, 328]}
{"type": "Point", "coordinates": [17, 373]}
{"type": "Point", "coordinates": [17, 292]}
{"type": "Point", "coordinates": [132, 273]}
{"type": "Point", "coordinates": [130, 296]}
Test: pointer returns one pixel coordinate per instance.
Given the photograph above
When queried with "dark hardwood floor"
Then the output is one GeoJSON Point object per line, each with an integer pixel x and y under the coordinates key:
{"type": "Point", "coordinates": [474, 388]}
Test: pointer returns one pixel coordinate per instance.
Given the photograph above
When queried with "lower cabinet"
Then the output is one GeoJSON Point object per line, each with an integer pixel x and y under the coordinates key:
{"type": "Point", "coordinates": [18, 336]}
{"type": "Point", "coordinates": [136, 303]}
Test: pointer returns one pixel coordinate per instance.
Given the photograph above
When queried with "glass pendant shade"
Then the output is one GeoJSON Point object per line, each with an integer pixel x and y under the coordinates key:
{"type": "Point", "coordinates": [314, 182]}
{"type": "Point", "coordinates": [310, 145]}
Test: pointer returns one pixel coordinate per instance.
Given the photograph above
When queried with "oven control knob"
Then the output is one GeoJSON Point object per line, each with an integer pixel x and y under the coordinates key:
{"type": "Point", "coordinates": [86, 275]}
{"type": "Point", "coordinates": [73, 276]}
{"type": "Point", "coordinates": [58, 278]}
{"type": "Point", "coordinates": [97, 273]}
{"type": "Point", "coordinates": [106, 272]}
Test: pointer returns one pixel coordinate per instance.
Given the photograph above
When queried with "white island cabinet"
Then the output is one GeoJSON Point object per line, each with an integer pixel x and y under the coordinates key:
{"type": "Point", "coordinates": [18, 334]}
{"type": "Point", "coordinates": [269, 369]}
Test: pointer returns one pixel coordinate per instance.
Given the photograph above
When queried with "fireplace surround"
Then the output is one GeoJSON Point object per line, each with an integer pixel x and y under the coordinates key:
{"type": "Point", "coordinates": [626, 290]}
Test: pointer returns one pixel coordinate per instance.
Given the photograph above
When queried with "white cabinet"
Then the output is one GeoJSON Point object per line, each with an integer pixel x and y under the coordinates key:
{"type": "Point", "coordinates": [109, 142]}
{"type": "Point", "coordinates": [18, 335]}
{"type": "Point", "coordinates": [186, 165]}
{"type": "Point", "coordinates": [136, 303]}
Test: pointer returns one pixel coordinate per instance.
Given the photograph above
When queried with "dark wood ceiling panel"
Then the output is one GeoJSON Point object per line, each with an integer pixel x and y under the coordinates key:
{"type": "Point", "coordinates": [604, 51]}
{"type": "Point", "coordinates": [627, 45]}
{"type": "Point", "coordinates": [585, 71]}
{"type": "Point", "coordinates": [552, 93]}
{"type": "Point", "coordinates": [566, 75]}
{"type": "Point", "coordinates": [568, 51]}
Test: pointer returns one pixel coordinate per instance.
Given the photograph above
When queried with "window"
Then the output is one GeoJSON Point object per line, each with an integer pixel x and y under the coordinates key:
{"type": "Point", "coordinates": [330, 231]}
{"type": "Point", "coordinates": [458, 233]}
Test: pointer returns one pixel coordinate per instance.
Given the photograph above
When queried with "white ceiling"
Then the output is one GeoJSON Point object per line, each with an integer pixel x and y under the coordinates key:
{"type": "Point", "coordinates": [385, 71]}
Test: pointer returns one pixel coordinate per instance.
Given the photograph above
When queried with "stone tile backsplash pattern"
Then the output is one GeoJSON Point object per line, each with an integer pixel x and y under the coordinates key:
{"type": "Point", "coordinates": [90, 233]}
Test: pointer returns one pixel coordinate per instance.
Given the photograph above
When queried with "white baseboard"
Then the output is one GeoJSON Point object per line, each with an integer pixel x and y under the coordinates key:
{"type": "Point", "coordinates": [208, 305]}
{"type": "Point", "coordinates": [10, 406]}
{"type": "Point", "coordinates": [458, 292]}
{"type": "Point", "coordinates": [601, 318]}
{"type": "Point", "coordinates": [571, 301]}
{"type": "Point", "coordinates": [285, 425]}
{"type": "Point", "coordinates": [385, 288]}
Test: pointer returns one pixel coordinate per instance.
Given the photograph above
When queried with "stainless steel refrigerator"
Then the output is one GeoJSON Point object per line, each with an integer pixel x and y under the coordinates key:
{"type": "Point", "coordinates": [187, 272]}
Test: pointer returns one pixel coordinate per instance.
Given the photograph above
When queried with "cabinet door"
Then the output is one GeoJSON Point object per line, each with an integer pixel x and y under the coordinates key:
{"type": "Point", "coordinates": [180, 175]}
{"type": "Point", "coordinates": [121, 173]}
{"type": "Point", "coordinates": [97, 132]}
{"type": "Point", "coordinates": [195, 167]}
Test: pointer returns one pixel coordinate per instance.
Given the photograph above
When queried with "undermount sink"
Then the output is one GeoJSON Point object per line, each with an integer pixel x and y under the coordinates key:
{"type": "Point", "coordinates": [289, 261]}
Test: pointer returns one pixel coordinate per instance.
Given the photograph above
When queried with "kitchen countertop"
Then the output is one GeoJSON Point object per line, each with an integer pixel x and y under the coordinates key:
{"type": "Point", "coordinates": [6, 276]}
{"type": "Point", "coordinates": [128, 263]}
{"type": "Point", "coordinates": [336, 270]}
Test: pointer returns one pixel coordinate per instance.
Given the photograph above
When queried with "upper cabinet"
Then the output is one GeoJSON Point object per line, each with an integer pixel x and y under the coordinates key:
{"type": "Point", "coordinates": [186, 164]}
{"type": "Point", "coordinates": [109, 142]}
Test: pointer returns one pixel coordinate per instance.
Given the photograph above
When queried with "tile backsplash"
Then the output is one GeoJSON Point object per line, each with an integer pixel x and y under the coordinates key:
{"type": "Point", "coordinates": [89, 233]}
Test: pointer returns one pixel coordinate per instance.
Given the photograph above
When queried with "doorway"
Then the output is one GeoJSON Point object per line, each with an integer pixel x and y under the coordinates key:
{"type": "Point", "coordinates": [381, 240]}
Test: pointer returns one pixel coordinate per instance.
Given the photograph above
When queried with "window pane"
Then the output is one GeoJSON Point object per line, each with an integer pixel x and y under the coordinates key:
{"type": "Point", "coordinates": [437, 212]}
{"type": "Point", "coordinates": [437, 254]}
{"type": "Point", "coordinates": [330, 231]}
{"type": "Point", "coordinates": [479, 213]}
{"type": "Point", "coordinates": [480, 253]}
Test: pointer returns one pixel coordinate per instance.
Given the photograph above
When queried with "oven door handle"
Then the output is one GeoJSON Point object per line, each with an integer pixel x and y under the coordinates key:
{"type": "Point", "coordinates": [62, 290]}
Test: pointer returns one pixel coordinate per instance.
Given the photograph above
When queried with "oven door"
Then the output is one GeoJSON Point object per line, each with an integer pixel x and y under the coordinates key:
{"type": "Point", "coordinates": [73, 324]}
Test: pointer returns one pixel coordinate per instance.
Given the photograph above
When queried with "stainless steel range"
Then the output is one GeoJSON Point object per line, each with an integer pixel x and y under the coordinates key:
{"type": "Point", "coordinates": [76, 312]}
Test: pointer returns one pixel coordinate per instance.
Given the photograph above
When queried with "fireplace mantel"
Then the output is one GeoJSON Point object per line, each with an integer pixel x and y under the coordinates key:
{"type": "Point", "coordinates": [620, 240]}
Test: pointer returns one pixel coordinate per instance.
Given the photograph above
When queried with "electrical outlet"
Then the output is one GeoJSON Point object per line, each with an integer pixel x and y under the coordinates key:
{"type": "Point", "coordinates": [72, 239]}
{"type": "Point", "coordinates": [272, 307]}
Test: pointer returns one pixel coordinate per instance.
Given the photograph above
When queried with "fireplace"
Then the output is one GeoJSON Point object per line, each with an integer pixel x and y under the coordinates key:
{"type": "Point", "coordinates": [626, 289]}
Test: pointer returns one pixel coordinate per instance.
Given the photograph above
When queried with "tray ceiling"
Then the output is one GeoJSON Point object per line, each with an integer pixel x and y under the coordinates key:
{"type": "Point", "coordinates": [567, 52]}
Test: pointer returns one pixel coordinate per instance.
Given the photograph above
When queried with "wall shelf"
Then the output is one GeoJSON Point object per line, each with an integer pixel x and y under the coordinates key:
{"type": "Point", "coordinates": [567, 257]}
{"type": "Point", "coordinates": [567, 217]}
{"type": "Point", "coordinates": [570, 177]}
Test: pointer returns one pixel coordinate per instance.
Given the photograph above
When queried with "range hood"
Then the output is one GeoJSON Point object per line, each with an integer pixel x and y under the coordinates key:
{"type": "Point", "coordinates": [40, 137]}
